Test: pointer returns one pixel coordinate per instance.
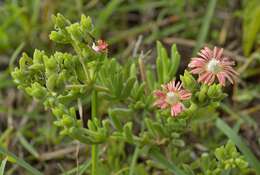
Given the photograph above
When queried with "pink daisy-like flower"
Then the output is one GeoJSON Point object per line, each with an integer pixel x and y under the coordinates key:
{"type": "Point", "coordinates": [211, 64]}
{"type": "Point", "coordinates": [100, 47]}
{"type": "Point", "coordinates": [171, 97]}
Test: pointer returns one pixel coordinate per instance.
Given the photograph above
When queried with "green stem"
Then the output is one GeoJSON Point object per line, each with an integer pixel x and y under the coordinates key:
{"type": "Point", "coordinates": [94, 149]}
{"type": "Point", "coordinates": [94, 104]}
{"type": "Point", "coordinates": [135, 156]}
{"type": "Point", "coordinates": [94, 153]}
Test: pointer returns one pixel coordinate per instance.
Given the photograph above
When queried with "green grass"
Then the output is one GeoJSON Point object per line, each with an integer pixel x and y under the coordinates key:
{"type": "Point", "coordinates": [14, 159]}
{"type": "Point", "coordinates": [235, 138]}
{"type": "Point", "coordinates": [202, 36]}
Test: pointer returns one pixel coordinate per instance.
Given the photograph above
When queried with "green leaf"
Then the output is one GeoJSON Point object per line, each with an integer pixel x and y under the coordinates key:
{"type": "Point", "coordinates": [76, 134]}
{"type": "Point", "coordinates": [231, 134]}
{"type": "Point", "coordinates": [128, 87]}
{"type": "Point", "coordinates": [20, 162]}
{"type": "Point", "coordinates": [59, 37]}
{"type": "Point", "coordinates": [159, 64]}
{"type": "Point", "coordinates": [150, 127]}
{"type": "Point", "coordinates": [150, 78]}
{"type": "Point", "coordinates": [165, 64]}
{"type": "Point", "coordinates": [175, 60]}
{"type": "Point", "coordinates": [128, 132]}
{"type": "Point", "coordinates": [115, 121]}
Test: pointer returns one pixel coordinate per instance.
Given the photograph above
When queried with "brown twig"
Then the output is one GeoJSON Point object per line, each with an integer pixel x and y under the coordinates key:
{"type": "Point", "coordinates": [59, 153]}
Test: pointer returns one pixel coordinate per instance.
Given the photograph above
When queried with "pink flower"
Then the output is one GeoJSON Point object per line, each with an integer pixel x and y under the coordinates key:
{"type": "Point", "coordinates": [100, 47]}
{"type": "Point", "coordinates": [211, 64]}
{"type": "Point", "coordinates": [171, 97]}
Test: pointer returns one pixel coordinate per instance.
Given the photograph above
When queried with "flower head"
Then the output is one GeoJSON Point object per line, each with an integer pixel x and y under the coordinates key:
{"type": "Point", "coordinates": [100, 47]}
{"type": "Point", "coordinates": [171, 97]}
{"type": "Point", "coordinates": [213, 64]}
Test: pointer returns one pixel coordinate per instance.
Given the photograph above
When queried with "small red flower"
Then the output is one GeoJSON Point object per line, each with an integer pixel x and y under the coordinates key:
{"type": "Point", "coordinates": [172, 96]}
{"type": "Point", "coordinates": [100, 47]}
{"type": "Point", "coordinates": [213, 64]}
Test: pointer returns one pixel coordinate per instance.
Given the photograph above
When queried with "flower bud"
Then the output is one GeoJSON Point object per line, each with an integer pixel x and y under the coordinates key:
{"type": "Point", "coordinates": [215, 92]}
{"type": "Point", "coordinates": [189, 82]}
{"type": "Point", "coordinates": [202, 93]}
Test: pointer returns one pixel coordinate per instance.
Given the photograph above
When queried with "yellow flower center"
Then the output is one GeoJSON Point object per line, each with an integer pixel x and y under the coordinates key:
{"type": "Point", "coordinates": [172, 98]}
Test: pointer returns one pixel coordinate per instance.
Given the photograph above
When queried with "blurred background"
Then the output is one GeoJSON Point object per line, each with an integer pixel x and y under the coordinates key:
{"type": "Point", "coordinates": [26, 128]}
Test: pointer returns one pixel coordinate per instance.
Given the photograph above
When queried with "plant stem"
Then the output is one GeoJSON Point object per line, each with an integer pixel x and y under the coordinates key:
{"type": "Point", "coordinates": [94, 104]}
{"type": "Point", "coordinates": [94, 153]}
{"type": "Point", "coordinates": [94, 149]}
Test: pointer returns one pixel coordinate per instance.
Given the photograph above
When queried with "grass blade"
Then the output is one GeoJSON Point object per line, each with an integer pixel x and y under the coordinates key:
{"type": "Point", "coordinates": [251, 25]}
{"type": "Point", "coordinates": [27, 145]}
{"type": "Point", "coordinates": [106, 13]}
{"type": "Point", "coordinates": [20, 162]}
{"type": "Point", "coordinates": [157, 156]}
{"type": "Point", "coordinates": [135, 156]}
{"type": "Point", "coordinates": [78, 170]}
{"type": "Point", "coordinates": [15, 55]}
{"type": "Point", "coordinates": [231, 134]}
{"type": "Point", "coordinates": [2, 167]}
{"type": "Point", "coordinates": [205, 26]}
